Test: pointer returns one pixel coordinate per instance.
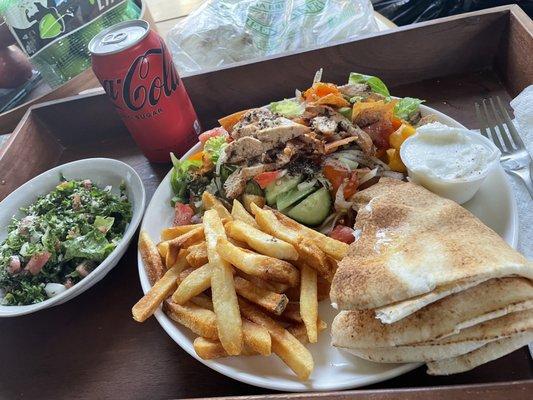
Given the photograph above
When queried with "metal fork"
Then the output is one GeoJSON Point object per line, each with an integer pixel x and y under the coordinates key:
{"type": "Point", "coordinates": [515, 158]}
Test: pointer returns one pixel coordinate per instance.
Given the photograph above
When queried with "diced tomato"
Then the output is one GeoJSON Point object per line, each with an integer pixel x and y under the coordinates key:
{"type": "Point", "coordinates": [218, 131]}
{"type": "Point", "coordinates": [379, 132]}
{"type": "Point", "coordinates": [343, 234]}
{"type": "Point", "coordinates": [266, 178]}
{"type": "Point", "coordinates": [396, 122]}
{"type": "Point", "coordinates": [183, 214]}
{"type": "Point", "coordinates": [337, 175]}
{"type": "Point", "coordinates": [37, 262]}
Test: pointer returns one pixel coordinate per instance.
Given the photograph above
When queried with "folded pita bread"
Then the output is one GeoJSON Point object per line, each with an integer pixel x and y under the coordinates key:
{"type": "Point", "coordinates": [395, 312]}
{"type": "Point", "coordinates": [488, 300]}
{"type": "Point", "coordinates": [490, 351]}
{"type": "Point", "coordinates": [413, 242]}
{"type": "Point", "coordinates": [454, 345]}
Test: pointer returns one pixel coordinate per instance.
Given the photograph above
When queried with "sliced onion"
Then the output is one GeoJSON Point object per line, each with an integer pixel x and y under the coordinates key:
{"type": "Point", "coordinates": [361, 158]}
{"type": "Point", "coordinates": [329, 223]}
{"type": "Point", "coordinates": [306, 184]}
{"type": "Point", "coordinates": [340, 202]}
{"type": "Point", "coordinates": [392, 174]}
{"type": "Point", "coordinates": [221, 159]}
{"type": "Point", "coordinates": [318, 76]}
{"type": "Point", "coordinates": [369, 175]}
{"type": "Point", "coordinates": [298, 95]}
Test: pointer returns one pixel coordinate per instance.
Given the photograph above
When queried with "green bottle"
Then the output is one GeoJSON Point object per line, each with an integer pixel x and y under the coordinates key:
{"type": "Point", "coordinates": [55, 37]}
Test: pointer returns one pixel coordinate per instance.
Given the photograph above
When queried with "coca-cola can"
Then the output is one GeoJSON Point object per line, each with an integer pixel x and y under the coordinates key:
{"type": "Point", "coordinates": [135, 68]}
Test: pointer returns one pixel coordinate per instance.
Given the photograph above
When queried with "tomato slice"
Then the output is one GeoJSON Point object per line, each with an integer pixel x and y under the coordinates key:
{"type": "Point", "coordinates": [337, 175]}
{"type": "Point", "coordinates": [379, 132]}
{"type": "Point", "coordinates": [343, 234]}
{"type": "Point", "coordinates": [266, 178]}
{"type": "Point", "coordinates": [218, 131]}
{"type": "Point", "coordinates": [183, 214]}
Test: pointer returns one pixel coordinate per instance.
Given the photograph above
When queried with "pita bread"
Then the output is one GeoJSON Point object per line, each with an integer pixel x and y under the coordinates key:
{"type": "Point", "coordinates": [412, 242]}
{"type": "Point", "coordinates": [452, 346]}
{"type": "Point", "coordinates": [415, 353]}
{"type": "Point", "coordinates": [490, 351]}
{"type": "Point", "coordinates": [496, 297]}
{"type": "Point", "coordinates": [395, 312]}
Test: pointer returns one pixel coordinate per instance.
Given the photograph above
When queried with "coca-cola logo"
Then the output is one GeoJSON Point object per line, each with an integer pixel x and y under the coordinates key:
{"type": "Point", "coordinates": [142, 85]}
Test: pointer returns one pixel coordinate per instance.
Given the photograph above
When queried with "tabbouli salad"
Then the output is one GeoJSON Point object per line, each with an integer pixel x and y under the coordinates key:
{"type": "Point", "coordinates": [305, 156]}
{"type": "Point", "coordinates": [60, 239]}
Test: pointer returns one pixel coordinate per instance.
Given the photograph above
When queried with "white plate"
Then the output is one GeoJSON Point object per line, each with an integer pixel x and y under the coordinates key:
{"type": "Point", "coordinates": [103, 172]}
{"type": "Point", "coordinates": [334, 369]}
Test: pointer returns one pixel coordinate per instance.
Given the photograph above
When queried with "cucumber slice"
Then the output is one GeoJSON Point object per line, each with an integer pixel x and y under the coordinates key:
{"type": "Point", "coordinates": [280, 186]}
{"type": "Point", "coordinates": [287, 199]}
{"type": "Point", "coordinates": [314, 209]}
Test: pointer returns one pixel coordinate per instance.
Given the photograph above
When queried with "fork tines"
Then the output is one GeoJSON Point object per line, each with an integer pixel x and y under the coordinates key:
{"type": "Point", "coordinates": [505, 137]}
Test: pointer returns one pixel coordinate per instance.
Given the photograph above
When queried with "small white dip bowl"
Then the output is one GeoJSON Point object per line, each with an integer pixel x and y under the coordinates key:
{"type": "Point", "coordinates": [459, 189]}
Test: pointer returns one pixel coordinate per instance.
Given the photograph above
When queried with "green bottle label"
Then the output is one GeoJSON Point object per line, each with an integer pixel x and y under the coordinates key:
{"type": "Point", "coordinates": [36, 24]}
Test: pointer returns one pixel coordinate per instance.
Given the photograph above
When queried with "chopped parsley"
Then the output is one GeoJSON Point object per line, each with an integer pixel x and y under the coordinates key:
{"type": "Point", "coordinates": [61, 238]}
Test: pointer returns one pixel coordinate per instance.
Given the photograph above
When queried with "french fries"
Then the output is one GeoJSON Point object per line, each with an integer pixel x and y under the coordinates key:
{"type": "Point", "coordinates": [330, 246]}
{"type": "Point", "coordinates": [309, 302]}
{"type": "Point", "coordinates": [239, 213]}
{"type": "Point", "coordinates": [259, 265]}
{"type": "Point", "coordinates": [151, 258]}
{"type": "Point", "coordinates": [299, 331]}
{"type": "Point", "coordinates": [162, 248]}
{"type": "Point", "coordinates": [208, 349]}
{"type": "Point", "coordinates": [248, 199]}
{"type": "Point", "coordinates": [260, 241]}
{"type": "Point", "coordinates": [195, 283]}
{"type": "Point", "coordinates": [267, 304]}
{"type": "Point", "coordinates": [197, 254]}
{"type": "Point", "coordinates": [284, 345]}
{"type": "Point", "coordinates": [175, 231]}
{"type": "Point", "coordinates": [225, 304]}
{"type": "Point", "coordinates": [272, 286]}
{"type": "Point", "coordinates": [210, 202]}
{"type": "Point", "coordinates": [270, 301]}
{"type": "Point", "coordinates": [292, 312]}
{"type": "Point", "coordinates": [147, 305]}
{"type": "Point", "coordinates": [181, 242]}
{"type": "Point", "coordinates": [257, 338]}
{"type": "Point", "coordinates": [203, 301]}
{"type": "Point", "coordinates": [199, 320]}
{"type": "Point", "coordinates": [308, 251]}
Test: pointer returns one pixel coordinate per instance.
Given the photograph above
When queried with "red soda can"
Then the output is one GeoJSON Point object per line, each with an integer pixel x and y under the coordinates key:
{"type": "Point", "coordinates": [136, 70]}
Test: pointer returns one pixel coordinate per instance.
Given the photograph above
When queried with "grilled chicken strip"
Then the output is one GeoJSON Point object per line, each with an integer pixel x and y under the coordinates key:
{"type": "Point", "coordinates": [236, 182]}
{"type": "Point", "coordinates": [363, 140]}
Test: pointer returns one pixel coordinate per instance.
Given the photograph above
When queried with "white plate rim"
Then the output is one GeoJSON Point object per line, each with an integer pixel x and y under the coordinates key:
{"type": "Point", "coordinates": [293, 386]}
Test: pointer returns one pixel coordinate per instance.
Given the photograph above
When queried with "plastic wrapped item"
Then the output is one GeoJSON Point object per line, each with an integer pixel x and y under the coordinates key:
{"type": "Point", "coordinates": [223, 32]}
{"type": "Point", "coordinates": [55, 33]}
{"type": "Point", "coordinates": [404, 12]}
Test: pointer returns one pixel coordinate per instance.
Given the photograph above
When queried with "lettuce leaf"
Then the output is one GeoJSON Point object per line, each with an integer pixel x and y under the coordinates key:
{"type": "Point", "coordinates": [407, 107]}
{"type": "Point", "coordinates": [92, 246]}
{"type": "Point", "coordinates": [103, 224]}
{"type": "Point", "coordinates": [376, 84]}
{"type": "Point", "coordinates": [180, 177]}
{"type": "Point", "coordinates": [214, 147]}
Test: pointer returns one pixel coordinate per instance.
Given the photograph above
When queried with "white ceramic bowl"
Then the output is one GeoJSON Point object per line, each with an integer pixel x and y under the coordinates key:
{"type": "Point", "coordinates": [103, 172]}
{"type": "Point", "coordinates": [459, 190]}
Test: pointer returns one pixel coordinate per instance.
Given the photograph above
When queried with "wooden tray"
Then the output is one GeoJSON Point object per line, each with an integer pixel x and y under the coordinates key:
{"type": "Point", "coordinates": [91, 348]}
